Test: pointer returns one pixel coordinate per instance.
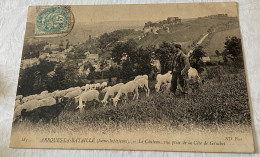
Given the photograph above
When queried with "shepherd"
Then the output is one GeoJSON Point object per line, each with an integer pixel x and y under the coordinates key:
{"type": "Point", "coordinates": [180, 67]}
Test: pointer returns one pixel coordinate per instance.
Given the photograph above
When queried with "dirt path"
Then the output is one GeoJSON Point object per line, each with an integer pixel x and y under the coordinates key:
{"type": "Point", "coordinates": [199, 42]}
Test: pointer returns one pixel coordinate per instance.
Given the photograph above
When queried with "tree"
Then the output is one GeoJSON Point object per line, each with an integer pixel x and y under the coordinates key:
{"type": "Point", "coordinates": [117, 52]}
{"type": "Point", "coordinates": [66, 75]}
{"type": "Point", "coordinates": [33, 80]}
{"type": "Point", "coordinates": [164, 54]}
{"type": "Point", "coordinates": [110, 74]}
{"type": "Point", "coordinates": [33, 50]}
{"type": "Point", "coordinates": [125, 53]}
{"type": "Point", "coordinates": [109, 39]}
{"type": "Point", "coordinates": [142, 62]}
{"type": "Point", "coordinates": [198, 53]}
{"type": "Point", "coordinates": [134, 61]}
{"type": "Point", "coordinates": [127, 70]}
{"type": "Point", "coordinates": [148, 24]}
{"type": "Point", "coordinates": [91, 76]}
{"type": "Point", "coordinates": [233, 47]}
{"type": "Point", "coordinates": [103, 64]}
{"type": "Point", "coordinates": [196, 56]}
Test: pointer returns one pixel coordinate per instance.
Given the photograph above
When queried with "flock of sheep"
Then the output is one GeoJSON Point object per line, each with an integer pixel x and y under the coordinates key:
{"type": "Point", "coordinates": [47, 106]}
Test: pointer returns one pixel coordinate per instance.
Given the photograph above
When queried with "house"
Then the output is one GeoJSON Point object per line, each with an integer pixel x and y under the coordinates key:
{"type": "Point", "coordinates": [57, 57]}
{"type": "Point", "coordinates": [51, 46]}
{"type": "Point", "coordinates": [175, 20]}
{"type": "Point", "coordinates": [205, 59]}
{"type": "Point", "coordinates": [93, 57]}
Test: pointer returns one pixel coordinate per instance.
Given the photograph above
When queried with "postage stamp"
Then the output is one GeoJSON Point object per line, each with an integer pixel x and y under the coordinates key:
{"type": "Point", "coordinates": [53, 20]}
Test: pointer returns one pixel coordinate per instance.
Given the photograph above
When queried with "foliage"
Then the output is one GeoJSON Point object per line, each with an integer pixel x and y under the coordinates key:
{"type": "Point", "coordinates": [103, 64]}
{"type": "Point", "coordinates": [33, 50]}
{"type": "Point", "coordinates": [109, 38]}
{"type": "Point", "coordinates": [34, 79]}
{"type": "Point", "coordinates": [233, 50]}
{"type": "Point", "coordinates": [117, 52]}
{"type": "Point", "coordinates": [92, 75]}
{"type": "Point", "coordinates": [66, 75]}
{"type": "Point", "coordinates": [142, 62]}
{"type": "Point", "coordinates": [127, 70]}
{"type": "Point", "coordinates": [233, 46]}
{"type": "Point", "coordinates": [134, 61]}
{"type": "Point", "coordinates": [196, 56]}
{"type": "Point", "coordinates": [164, 54]}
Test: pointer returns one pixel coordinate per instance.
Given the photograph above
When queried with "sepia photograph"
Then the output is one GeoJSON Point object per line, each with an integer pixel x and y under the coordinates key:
{"type": "Point", "coordinates": [160, 77]}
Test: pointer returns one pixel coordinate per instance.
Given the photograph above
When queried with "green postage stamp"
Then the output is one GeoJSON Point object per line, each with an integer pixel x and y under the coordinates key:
{"type": "Point", "coordinates": [53, 20]}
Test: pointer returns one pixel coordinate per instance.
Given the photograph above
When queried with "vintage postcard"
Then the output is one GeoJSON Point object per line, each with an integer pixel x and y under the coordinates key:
{"type": "Point", "coordinates": [161, 77]}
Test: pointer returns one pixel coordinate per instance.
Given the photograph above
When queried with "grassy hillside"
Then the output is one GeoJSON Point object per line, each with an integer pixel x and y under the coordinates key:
{"type": "Point", "coordinates": [216, 41]}
{"type": "Point", "coordinates": [221, 102]}
{"type": "Point", "coordinates": [191, 31]}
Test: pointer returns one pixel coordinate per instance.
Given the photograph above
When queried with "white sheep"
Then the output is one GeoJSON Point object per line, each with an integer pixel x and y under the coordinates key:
{"type": "Point", "coordinates": [70, 89]}
{"type": "Point", "coordinates": [34, 97]}
{"type": "Point", "coordinates": [87, 96]}
{"type": "Point", "coordinates": [105, 89]}
{"type": "Point", "coordinates": [44, 92]}
{"type": "Point", "coordinates": [30, 105]}
{"type": "Point", "coordinates": [48, 101]}
{"type": "Point", "coordinates": [103, 85]}
{"type": "Point", "coordinates": [73, 93]}
{"type": "Point", "coordinates": [60, 93]}
{"type": "Point", "coordinates": [91, 87]}
{"type": "Point", "coordinates": [18, 97]}
{"type": "Point", "coordinates": [194, 75]}
{"type": "Point", "coordinates": [129, 87]}
{"type": "Point", "coordinates": [42, 96]}
{"type": "Point", "coordinates": [111, 91]}
{"type": "Point", "coordinates": [162, 79]}
{"type": "Point", "coordinates": [76, 99]}
{"type": "Point", "coordinates": [97, 85]}
{"type": "Point", "coordinates": [17, 103]}
{"type": "Point", "coordinates": [141, 76]}
{"type": "Point", "coordinates": [82, 88]}
{"type": "Point", "coordinates": [33, 104]}
{"type": "Point", "coordinates": [29, 98]}
{"type": "Point", "coordinates": [143, 83]}
{"type": "Point", "coordinates": [87, 87]}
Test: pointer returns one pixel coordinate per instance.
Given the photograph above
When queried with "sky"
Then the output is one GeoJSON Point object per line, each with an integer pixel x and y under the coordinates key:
{"type": "Point", "coordinates": [152, 12]}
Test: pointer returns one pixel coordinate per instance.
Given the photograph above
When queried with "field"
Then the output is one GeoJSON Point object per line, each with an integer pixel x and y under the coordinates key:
{"type": "Point", "coordinates": [216, 41]}
{"type": "Point", "coordinates": [221, 103]}
{"type": "Point", "coordinates": [192, 30]}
